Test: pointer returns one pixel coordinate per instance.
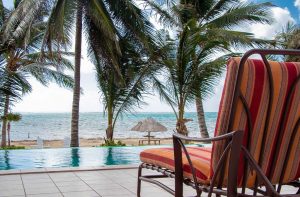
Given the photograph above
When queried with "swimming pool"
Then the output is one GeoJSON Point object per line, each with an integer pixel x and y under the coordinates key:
{"type": "Point", "coordinates": [69, 157]}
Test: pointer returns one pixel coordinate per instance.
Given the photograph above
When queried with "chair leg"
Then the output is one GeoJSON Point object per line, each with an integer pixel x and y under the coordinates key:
{"type": "Point", "coordinates": [199, 193]}
{"type": "Point", "coordinates": [178, 168]}
{"type": "Point", "coordinates": [139, 182]}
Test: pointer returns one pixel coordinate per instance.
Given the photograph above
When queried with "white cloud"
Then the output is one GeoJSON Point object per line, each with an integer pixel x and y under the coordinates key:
{"type": "Point", "coordinates": [297, 4]}
{"type": "Point", "coordinates": [281, 17]}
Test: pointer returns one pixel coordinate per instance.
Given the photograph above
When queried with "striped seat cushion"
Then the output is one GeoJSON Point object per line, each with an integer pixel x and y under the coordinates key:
{"type": "Point", "coordinates": [164, 157]}
{"type": "Point", "coordinates": [270, 144]}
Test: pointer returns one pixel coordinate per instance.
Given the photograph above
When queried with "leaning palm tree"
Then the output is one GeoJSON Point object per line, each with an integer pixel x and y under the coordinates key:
{"type": "Point", "coordinates": [21, 57]}
{"type": "Point", "coordinates": [107, 18]}
{"type": "Point", "coordinates": [205, 28]}
{"type": "Point", "coordinates": [11, 117]}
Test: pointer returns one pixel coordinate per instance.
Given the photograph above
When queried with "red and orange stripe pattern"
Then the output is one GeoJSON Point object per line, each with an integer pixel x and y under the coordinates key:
{"type": "Point", "coordinates": [164, 157]}
{"type": "Point", "coordinates": [283, 116]}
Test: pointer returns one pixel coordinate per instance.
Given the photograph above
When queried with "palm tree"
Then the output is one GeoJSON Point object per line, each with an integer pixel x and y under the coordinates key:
{"type": "Point", "coordinates": [205, 28]}
{"type": "Point", "coordinates": [122, 95]}
{"type": "Point", "coordinates": [76, 91]}
{"type": "Point", "coordinates": [111, 20]}
{"type": "Point", "coordinates": [289, 38]}
{"type": "Point", "coordinates": [21, 56]}
{"type": "Point", "coordinates": [179, 85]}
{"type": "Point", "coordinates": [11, 117]}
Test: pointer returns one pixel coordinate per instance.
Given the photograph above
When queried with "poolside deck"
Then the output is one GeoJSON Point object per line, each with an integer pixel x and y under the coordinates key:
{"type": "Point", "coordinates": [104, 183]}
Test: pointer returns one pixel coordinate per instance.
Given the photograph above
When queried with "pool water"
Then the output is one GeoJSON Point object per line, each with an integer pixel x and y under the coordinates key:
{"type": "Point", "coordinates": [69, 157]}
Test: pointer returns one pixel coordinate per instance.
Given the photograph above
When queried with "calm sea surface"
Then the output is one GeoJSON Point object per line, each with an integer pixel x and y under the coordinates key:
{"type": "Point", "coordinates": [92, 125]}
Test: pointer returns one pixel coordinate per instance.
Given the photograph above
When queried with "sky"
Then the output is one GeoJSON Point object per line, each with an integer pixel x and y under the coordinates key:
{"type": "Point", "coordinates": [56, 99]}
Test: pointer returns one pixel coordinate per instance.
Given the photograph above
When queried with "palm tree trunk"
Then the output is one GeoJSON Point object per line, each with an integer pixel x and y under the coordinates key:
{"type": "Point", "coordinates": [8, 133]}
{"type": "Point", "coordinates": [180, 125]}
{"type": "Point", "coordinates": [201, 118]}
{"type": "Point", "coordinates": [4, 122]}
{"type": "Point", "coordinates": [76, 92]}
{"type": "Point", "coordinates": [109, 130]}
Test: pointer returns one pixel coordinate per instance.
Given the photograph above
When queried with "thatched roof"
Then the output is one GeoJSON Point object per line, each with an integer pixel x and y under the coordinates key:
{"type": "Point", "coordinates": [150, 125]}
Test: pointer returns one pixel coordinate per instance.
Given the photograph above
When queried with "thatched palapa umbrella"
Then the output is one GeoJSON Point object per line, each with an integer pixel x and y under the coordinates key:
{"type": "Point", "coordinates": [149, 125]}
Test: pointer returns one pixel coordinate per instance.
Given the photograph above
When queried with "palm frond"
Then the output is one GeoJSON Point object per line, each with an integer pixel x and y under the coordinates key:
{"type": "Point", "coordinates": [45, 75]}
{"type": "Point", "coordinates": [13, 85]}
{"type": "Point", "coordinates": [164, 94]}
{"type": "Point", "coordinates": [241, 14]}
{"type": "Point", "coordinates": [237, 39]}
{"type": "Point", "coordinates": [19, 21]}
{"type": "Point", "coordinates": [218, 8]}
{"type": "Point", "coordinates": [163, 12]}
{"type": "Point", "coordinates": [209, 74]}
{"type": "Point", "coordinates": [58, 60]}
{"type": "Point", "coordinates": [101, 48]}
{"type": "Point", "coordinates": [60, 24]}
{"type": "Point", "coordinates": [133, 21]}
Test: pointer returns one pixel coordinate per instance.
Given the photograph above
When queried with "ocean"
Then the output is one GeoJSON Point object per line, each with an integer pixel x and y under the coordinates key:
{"type": "Point", "coordinates": [51, 126]}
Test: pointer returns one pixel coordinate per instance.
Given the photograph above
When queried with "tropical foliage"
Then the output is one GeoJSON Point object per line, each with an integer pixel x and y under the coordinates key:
{"type": "Point", "coordinates": [205, 28]}
{"type": "Point", "coordinates": [289, 38]}
{"type": "Point", "coordinates": [22, 32]}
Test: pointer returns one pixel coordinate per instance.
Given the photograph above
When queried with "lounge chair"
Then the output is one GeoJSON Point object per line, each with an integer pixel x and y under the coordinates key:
{"type": "Point", "coordinates": [256, 148]}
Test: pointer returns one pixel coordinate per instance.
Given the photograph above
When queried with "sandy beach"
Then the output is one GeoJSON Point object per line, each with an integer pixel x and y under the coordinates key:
{"type": "Point", "coordinates": [91, 142]}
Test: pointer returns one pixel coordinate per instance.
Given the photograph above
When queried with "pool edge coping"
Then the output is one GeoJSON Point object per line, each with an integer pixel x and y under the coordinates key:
{"type": "Point", "coordinates": [66, 169]}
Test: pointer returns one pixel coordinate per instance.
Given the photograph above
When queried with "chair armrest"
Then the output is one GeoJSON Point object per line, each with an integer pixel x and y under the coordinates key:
{"type": "Point", "coordinates": [218, 138]}
{"type": "Point", "coordinates": [235, 138]}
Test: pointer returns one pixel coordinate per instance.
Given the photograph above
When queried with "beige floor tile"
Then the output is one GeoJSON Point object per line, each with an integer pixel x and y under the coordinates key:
{"type": "Point", "coordinates": [14, 192]}
{"type": "Point", "coordinates": [10, 182]}
{"type": "Point", "coordinates": [11, 186]}
{"type": "Point", "coordinates": [41, 190]}
{"type": "Point", "coordinates": [69, 183]}
{"type": "Point", "coordinates": [10, 177]}
{"type": "Point", "coordinates": [36, 181]}
{"type": "Point", "coordinates": [65, 179]}
{"type": "Point", "coordinates": [113, 192]}
{"type": "Point", "coordinates": [74, 188]}
{"type": "Point", "coordinates": [81, 194]}
{"type": "Point", "coordinates": [98, 182]}
{"type": "Point", "coordinates": [34, 176]}
{"type": "Point", "coordinates": [105, 186]}
{"type": "Point", "coordinates": [46, 195]}
{"type": "Point", "coordinates": [39, 185]}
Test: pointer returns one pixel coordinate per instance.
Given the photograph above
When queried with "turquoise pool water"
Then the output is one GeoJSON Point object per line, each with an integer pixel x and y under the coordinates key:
{"type": "Point", "coordinates": [69, 157]}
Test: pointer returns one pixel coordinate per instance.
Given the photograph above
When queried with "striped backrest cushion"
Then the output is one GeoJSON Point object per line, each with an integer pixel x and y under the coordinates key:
{"type": "Point", "coordinates": [273, 143]}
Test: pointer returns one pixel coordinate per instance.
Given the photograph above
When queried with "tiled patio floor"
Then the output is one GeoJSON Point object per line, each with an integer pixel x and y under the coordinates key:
{"type": "Point", "coordinates": [102, 183]}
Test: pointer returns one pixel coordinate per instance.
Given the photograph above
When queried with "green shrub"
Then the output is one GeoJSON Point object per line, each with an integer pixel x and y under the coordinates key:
{"type": "Point", "coordinates": [112, 143]}
{"type": "Point", "coordinates": [12, 147]}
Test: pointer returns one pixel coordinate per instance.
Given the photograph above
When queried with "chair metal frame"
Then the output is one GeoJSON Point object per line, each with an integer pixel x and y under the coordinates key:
{"type": "Point", "coordinates": [232, 151]}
